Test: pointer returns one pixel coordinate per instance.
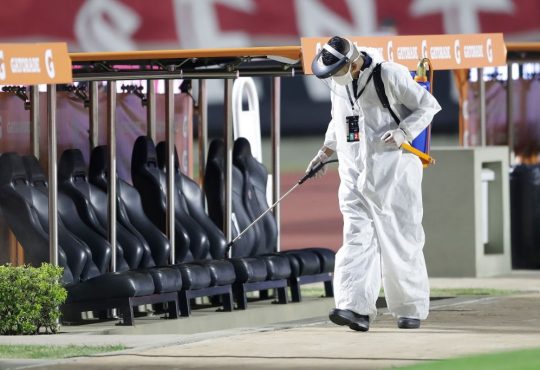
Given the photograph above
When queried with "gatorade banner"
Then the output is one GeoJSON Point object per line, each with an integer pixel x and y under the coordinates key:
{"type": "Point", "coordinates": [444, 51]}
{"type": "Point", "coordinates": [32, 64]}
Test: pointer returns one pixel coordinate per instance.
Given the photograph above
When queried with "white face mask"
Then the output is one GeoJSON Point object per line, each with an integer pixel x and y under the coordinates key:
{"type": "Point", "coordinates": [344, 79]}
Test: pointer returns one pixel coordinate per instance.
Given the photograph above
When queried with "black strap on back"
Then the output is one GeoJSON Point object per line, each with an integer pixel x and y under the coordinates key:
{"type": "Point", "coordinates": [379, 87]}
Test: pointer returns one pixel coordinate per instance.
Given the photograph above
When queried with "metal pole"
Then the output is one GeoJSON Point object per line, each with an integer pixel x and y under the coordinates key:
{"type": "Point", "coordinates": [214, 74]}
{"type": "Point", "coordinates": [151, 109]}
{"type": "Point", "coordinates": [111, 184]}
{"type": "Point", "coordinates": [94, 114]}
{"type": "Point", "coordinates": [228, 132]}
{"type": "Point", "coordinates": [276, 143]}
{"type": "Point", "coordinates": [482, 85]}
{"type": "Point", "coordinates": [34, 120]}
{"type": "Point", "coordinates": [169, 120]}
{"type": "Point", "coordinates": [53, 182]}
{"type": "Point", "coordinates": [202, 111]}
{"type": "Point", "coordinates": [510, 112]}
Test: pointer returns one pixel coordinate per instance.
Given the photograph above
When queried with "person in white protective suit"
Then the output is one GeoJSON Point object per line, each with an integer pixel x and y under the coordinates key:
{"type": "Point", "coordinates": [380, 191]}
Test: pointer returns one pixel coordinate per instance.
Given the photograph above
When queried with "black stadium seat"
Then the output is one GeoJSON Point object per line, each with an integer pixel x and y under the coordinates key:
{"type": "Point", "coordinates": [92, 202]}
{"type": "Point", "coordinates": [99, 246]}
{"type": "Point", "coordinates": [26, 211]}
{"type": "Point", "coordinates": [245, 248]}
{"type": "Point", "coordinates": [251, 273]}
{"type": "Point", "coordinates": [308, 265]}
{"type": "Point", "coordinates": [166, 280]}
{"type": "Point", "coordinates": [193, 246]}
{"type": "Point", "coordinates": [197, 274]}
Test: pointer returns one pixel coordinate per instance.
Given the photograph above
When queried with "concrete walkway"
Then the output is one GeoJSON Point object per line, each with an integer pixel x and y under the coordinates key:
{"type": "Point", "coordinates": [456, 327]}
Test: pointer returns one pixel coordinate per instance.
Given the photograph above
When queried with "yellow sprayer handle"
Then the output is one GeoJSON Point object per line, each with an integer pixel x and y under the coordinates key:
{"type": "Point", "coordinates": [425, 158]}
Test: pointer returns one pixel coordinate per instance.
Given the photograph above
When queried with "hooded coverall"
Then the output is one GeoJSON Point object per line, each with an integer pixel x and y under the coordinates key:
{"type": "Point", "coordinates": [380, 196]}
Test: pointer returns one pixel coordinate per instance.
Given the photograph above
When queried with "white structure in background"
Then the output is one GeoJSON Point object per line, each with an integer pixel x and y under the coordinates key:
{"type": "Point", "coordinates": [487, 175]}
{"type": "Point", "coordinates": [247, 123]}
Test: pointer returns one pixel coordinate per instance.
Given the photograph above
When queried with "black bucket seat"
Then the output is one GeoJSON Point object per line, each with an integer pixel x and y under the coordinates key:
{"type": "Point", "coordinates": [26, 211]}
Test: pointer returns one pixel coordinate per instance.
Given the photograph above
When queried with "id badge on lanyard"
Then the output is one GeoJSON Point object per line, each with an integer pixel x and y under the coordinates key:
{"type": "Point", "coordinates": [353, 129]}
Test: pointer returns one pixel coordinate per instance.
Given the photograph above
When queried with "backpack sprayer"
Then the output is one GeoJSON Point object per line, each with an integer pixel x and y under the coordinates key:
{"type": "Point", "coordinates": [422, 142]}
{"type": "Point", "coordinates": [308, 175]}
{"type": "Point", "coordinates": [420, 145]}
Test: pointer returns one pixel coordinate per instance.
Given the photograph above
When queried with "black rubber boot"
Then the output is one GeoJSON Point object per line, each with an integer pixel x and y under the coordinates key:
{"type": "Point", "coordinates": [352, 319]}
{"type": "Point", "coordinates": [408, 323]}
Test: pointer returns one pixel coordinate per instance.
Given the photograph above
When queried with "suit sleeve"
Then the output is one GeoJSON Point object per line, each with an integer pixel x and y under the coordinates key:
{"type": "Point", "coordinates": [422, 105]}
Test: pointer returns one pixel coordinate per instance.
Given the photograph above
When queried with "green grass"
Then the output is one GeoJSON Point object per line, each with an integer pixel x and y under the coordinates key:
{"type": "Point", "coordinates": [312, 291]}
{"type": "Point", "coordinates": [516, 360]}
{"type": "Point", "coordinates": [318, 291]}
{"type": "Point", "coordinates": [38, 351]}
{"type": "Point", "coordinates": [471, 292]}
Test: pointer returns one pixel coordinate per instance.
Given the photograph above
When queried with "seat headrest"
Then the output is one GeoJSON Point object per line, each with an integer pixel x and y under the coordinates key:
{"type": "Point", "coordinates": [241, 149]}
{"type": "Point", "coordinates": [71, 165]}
{"type": "Point", "coordinates": [161, 150]}
{"type": "Point", "coordinates": [144, 153]}
{"type": "Point", "coordinates": [216, 151]}
{"type": "Point", "coordinates": [12, 169]}
{"type": "Point", "coordinates": [99, 166]}
{"type": "Point", "coordinates": [34, 172]}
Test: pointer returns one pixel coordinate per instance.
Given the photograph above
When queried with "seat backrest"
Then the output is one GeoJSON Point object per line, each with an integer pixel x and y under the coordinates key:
{"type": "Point", "coordinates": [91, 202]}
{"type": "Point", "coordinates": [199, 244]}
{"type": "Point", "coordinates": [17, 204]}
{"type": "Point", "coordinates": [26, 212]}
{"type": "Point", "coordinates": [151, 183]}
{"type": "Point", "coordinates": [149, 180]}
{"type": "Point", "coordinates": [130, 208]}
{"type": "Point", "coordinates": [92, 206]}
{"type": "Point", "coordinates": [98, 245]}
{"type": "Point", "coordinates": [214, 187]}
{"type": "Point", "coordinates": [255, 178]}
{"type": "Point", "coordinates": [98, 167]}
{"type": "Point", "coordinates": [192, 194]}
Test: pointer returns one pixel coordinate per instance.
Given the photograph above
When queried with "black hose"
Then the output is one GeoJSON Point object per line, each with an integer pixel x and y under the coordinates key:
{"type": "Point", "coordinates": [314, 170]}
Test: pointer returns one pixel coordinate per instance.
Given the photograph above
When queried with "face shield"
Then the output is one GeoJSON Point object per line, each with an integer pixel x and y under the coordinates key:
{"type": "Point", "coordinates": [337, 75]}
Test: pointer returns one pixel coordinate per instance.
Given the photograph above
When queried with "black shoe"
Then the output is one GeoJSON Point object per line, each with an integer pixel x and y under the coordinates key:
{"type": "Point", "coordinates": [352, 319]}
{"type": "Point", "coordinates": [408, 323]}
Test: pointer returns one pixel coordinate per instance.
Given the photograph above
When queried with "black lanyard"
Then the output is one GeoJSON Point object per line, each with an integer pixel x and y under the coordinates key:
{"type": "Point", "coordinates": [356, 97]}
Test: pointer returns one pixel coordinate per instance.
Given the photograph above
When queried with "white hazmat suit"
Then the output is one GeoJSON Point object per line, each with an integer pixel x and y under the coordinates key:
{"type": "Point", "coordinates": [380, 196]}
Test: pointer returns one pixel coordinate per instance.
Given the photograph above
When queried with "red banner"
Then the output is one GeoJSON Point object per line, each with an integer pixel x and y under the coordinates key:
{"type": "Point", "coordinates": [106, 25]}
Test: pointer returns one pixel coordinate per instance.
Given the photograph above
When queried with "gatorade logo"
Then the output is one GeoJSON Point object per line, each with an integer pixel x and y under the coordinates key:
{"type": "Point", "coordinates": [457, 51]}
{"type": "Point", "coordinates": [390, 51]}
{"type": "Point", "coordinates": [49, 65]}
{"type": "Point", "coordinates": [424, 49]}
{"type": "Point", "coordinates": [489, 48]}
{"type": "Point", "coordinates": [2, 66]}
